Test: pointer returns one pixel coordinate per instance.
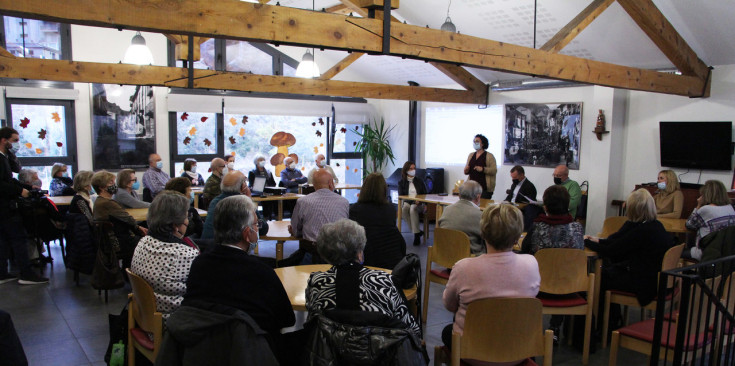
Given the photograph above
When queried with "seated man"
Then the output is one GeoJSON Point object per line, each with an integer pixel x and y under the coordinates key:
{"type": "Point", "coordinates": [522, 190]}
{"type": "Point", "coordinates": [155, 178]}
{"type": "Point", "coordinates": [212, 187]}
{"type": "Point", "coordinates": [321, 163]}
{"type": "Point", "coordinates": [233, 184]}
{"type": "Point", "coordinates": [316, 209]}
{"type": "Point", "coordinates": [230, 276]}
{"type": "Point", "coordinates": [464, 215]}
{"type": "Point", "coordinates": [292, 177]}
{"type": "Point", "coordinates": [561, 177]}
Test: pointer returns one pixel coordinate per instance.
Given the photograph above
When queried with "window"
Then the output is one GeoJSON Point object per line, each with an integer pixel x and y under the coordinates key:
{"type": "Point", "coordinates": [344, 160]}
{"type": "Point", "coordinates": [457, 126]}
{"type": "Point", "coordinates": [197, 136]}
{"type": "Point", "coordinates": [244, 57]}
{"type": "Point", "coordinates": [239, 56]}
{"type": "Point", "coordinates": [207, 56]}
{"type": "Point", "coordinates": [46, 131]}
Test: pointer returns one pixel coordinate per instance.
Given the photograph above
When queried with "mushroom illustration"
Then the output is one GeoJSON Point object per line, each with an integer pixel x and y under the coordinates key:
{"type": "Point", "coordinates": [281, 140]}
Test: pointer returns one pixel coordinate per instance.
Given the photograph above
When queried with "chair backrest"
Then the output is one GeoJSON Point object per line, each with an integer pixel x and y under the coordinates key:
{"type": "Point", "coordinates": [671, 261]}
{"type": "Point", "coordinates": [517, 321]}
{"type": "Point", "coordinates": [611, 225]}
{"type": "Point", "coordinates": [449, 247]}
{"type": "Point", "coordinates": [147, 195]}
{"type": "Point", "coordinates": [563, 271]}
{"type": "Point", "coordinates": [144, 310]}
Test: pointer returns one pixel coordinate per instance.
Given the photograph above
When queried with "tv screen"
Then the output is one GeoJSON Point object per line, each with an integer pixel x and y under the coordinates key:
{"type": "Point", "coordinates": [696, 145]}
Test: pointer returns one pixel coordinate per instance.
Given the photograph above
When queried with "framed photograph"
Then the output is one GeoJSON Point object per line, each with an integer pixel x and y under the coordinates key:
{"type": "Point", "coordinates": [123, 126]}
{"type": "Point", "coordinates": [544, 135]}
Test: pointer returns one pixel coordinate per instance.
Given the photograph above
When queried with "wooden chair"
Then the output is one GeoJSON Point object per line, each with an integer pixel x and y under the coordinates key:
{"type": "Point", "coordinates": [564, 272]}
{"type": "Point", "coordinates": [639, 336]}
{"type": "Point", "coordinates": [671, 261]}
{"type": "Point", "coordinates": [611, 225]}
{"type": "Point", "coordinates": [143, 319]}
{"type": "Point", "coordinates": [518, 321]}
{"type": "Point", "coordinates": [449, 247]}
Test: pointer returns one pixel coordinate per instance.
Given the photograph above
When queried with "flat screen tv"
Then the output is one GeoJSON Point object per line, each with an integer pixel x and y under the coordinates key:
{"type": "Point", "coordinates": [696, 145]}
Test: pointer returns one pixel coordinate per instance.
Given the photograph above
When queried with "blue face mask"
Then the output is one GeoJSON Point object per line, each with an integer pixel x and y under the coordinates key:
{"type": "Point", "coordinates": [191, 197]}
{"type": "Point", "coordinates": [136, 185]}
{"type": "Point", "coordinates": [14, 147]}
{"type": "Point", "coordinates": [662, 185]}
{"type": "Point", "coordinates": [159, 165]}
{"type": "Point", "coordinates": [91, 191]}
{"type": "Point", "coordinates": [65, 174]}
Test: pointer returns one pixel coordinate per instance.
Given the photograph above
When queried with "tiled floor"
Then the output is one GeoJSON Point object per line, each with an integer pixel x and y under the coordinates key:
{"type": "Point", "coordinates": [65, 324]}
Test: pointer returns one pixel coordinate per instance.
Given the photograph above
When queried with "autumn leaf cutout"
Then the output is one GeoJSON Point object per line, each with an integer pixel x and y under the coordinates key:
{"type": "Point", "coordinates": [55, 117]}
{"type": "Point", "coordinates": [343, 130]}
{"type": "Point", "coordinates": [319, 133]}
{"type": "Point", "coordinates": [187, 140]}
{"type": "Point", "coordinates": [244, 119]}
{"type": "Point", "coordinates": [185, 116]}
{"type": "Point", "coordinates": [321, 121]}
{"type": "Point", "coordinates": [207, 142]}
{"type": "Point", "coordinates": [24, 122]}
{"type": "Point", "coordinates": [233, 121]}
{"type": "Point", "coordinates": [59, 144]}
{"type": "Point", "coordinates": [42, 134]}
{"type": "Point", "coordinates": [204, 119]}
{"type": "Point", "coordinates": [193, 131]}
{"type": "Point", "coordinates": [232, 140]}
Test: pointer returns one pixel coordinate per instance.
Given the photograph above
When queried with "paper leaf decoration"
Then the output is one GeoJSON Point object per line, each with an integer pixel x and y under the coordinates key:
{"type": "Point", "coordinates": [187, 140]}
{"type": "Point", "coordinates": [316, 149]}
{"type": "Point", "coordinates": [357, 128]}
{"type": "Point", "coordinates": [347, 167]}
{"type": "Point", "coordinates": [244, 119]}
{"type": "Point", "coordinates": [59, 144]}
{"type": "Point", "coordinates": [354, 143]}
{"type": "Point", "coordinates": [303, 168]}
{"type": "Point", "coordinates": [242, 132]}
{"type": "Point", "coordinates": [232, 140]}
{"type": "Point", "coordinates": [42, 134]}
{"type": "Point", "coordinates": [204, 119]}
{"type": "Point", "coordinates": [321, 145]}
{"type": "Point", "coordinates": [55, 117]}
{"type": "Point", "coordinates": [321, 122]}
{"type": "Point", "coordinates": [337, 164]}
{"type": "Point", "coordinates": [313, 123]}
{"type": "Point", "coordinates": [233, 121]}
{"type": "Point", "coordinates": [319, 133]}
{"type": "Point", "coordinates": [193, 131]}
{"type": "Point", "coordinates": [185, 116]}
{"type": "Point", "coordinates": [29, 145]}
{"type": "Point", "coordinates": [343, 130]}
{"type": "Point", "coordinates": [207, 142]}
{"type": "Point", "coordinates": [233, 153]}
{"type": "Point", "coordinates": [39, 151]}
{"type": "Point", "coordinates": [24, 122]}
{"type": "Point", "coordinates": [355, 170]}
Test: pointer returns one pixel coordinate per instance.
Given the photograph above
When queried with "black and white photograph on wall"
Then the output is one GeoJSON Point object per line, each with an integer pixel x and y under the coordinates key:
{"type": "Point", "coordinates": [123, 126]}
{"type": "Point", "coordinates": [543, 135]}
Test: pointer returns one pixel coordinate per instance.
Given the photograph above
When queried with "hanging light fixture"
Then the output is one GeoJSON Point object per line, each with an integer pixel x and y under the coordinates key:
{"type": "Point", "coordinates": [307, 67]}
{"type": "Point", "coordinates": [138, 53]}
{"type": "Point", "coordinates": [448, 25]}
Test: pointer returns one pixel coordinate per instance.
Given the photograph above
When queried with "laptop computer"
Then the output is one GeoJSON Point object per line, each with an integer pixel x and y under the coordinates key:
{"type": "Point", "coordinates": [258, 186]}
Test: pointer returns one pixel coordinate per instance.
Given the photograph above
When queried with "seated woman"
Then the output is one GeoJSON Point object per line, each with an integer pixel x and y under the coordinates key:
{"type": "Point", "coordinates": [385, 246]}
{"type": "Point", "coordinates": [556, 228]}
{"type": "Point", "coordinates": [499, 273]}
{"type": "Point", "coordinates": [270, 209]}
{"type": "Point", "coordinates": [669, 199]}
{"type": "Point", "coordinates": [127, 192]}
{"type": "Point", "coordinates": [341, 244]}
{"type": "Point", "coordinates": [190, 172]}
{"type": "Point", "coordinates": [164, 257]}
{"type": "Point", "coordinates": [633, 255]}
{"type": "Point", "coordinates": [82, 202]}
{"type": "Point", "coordinates": [183, 186]}
{"type": "Point", "coordinates": [61, 184]}
{"type": "Point", "coordinates": [410, 186]}
{"type": "Point", "coordinates": [714, 212]}
{"type": "Point", "coordinates": [105, 208]}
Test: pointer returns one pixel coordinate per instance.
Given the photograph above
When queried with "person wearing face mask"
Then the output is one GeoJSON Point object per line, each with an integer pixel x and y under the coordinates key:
{"type": "Point", "coordinates": [410, 186]}
{"type": "Point", "coordinates": [669, 199]}
{"type": "Point", "coordinates": [481, 166]}
{"type": "Point", "coordinates": [12, 233]}
{"type": "Point", "coordinates": [128, 185]}
{"type": "Point", "coordinates": [561, 177]}
{"type": "Point", "coordinates": [270, 209]}
{"type": "Point", "coordinates": [155, 178]}
{"type": "Point", "coordinates": [233, 184]}
{"type": "Point", "coordinates": [464, 215]}
{"type": "Point", "coordinates": [105, 208]}
{"type": "Point", "coordinates": [196, 224]}
{"type": "Point", "coordinates": [522, 190]}
{"type": "Point", "coordinates": [230, 162]}
{"type": "Point", "coordinates": [163, 257]}
{"type": "Point", "coordinates": [60, 181]}
{"type": "Point", "coordinates": [321, 163]}
{"type": "Point", "coordinates": [292, 177]}
{"type": "Point", "coordinates": [212, 188]}
{"type": "Point", "coordinates": [190, 172]}
{"type": "Point", "coordinates": [81, 203]}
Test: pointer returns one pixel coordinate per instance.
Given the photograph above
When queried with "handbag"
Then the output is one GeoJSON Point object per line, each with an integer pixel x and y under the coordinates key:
{"type": "Point", "coordinates": [582, 208]}
{"type": "Point", "coordinates": [407, 271]}
{"type": "Point", "coordinates": [106, 274]}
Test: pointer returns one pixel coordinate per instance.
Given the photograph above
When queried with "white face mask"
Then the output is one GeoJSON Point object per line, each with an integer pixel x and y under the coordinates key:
{"type": "Point", "coordinates": [261, 163]}
{"type": "Point", "coordinates": [661, 185]}
{"type": "Point", "coordinates": [292, 165]}
{"type": "Point", "coordinates": [320, 163]}
{"type": "Point", "coordinates": [477, 146]}
{"type": "Point", "coordinates": [225, 171]}
{"type": "Point", "coordinates": [194, 169]}
{"type": "Point", "coordinates": [411, 173]}
{"type": "Point", "coordinates": [231, 166]}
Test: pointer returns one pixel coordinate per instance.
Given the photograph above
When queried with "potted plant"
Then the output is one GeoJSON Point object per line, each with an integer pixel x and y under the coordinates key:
{"type": "Point", "coordinates": [374, 146]}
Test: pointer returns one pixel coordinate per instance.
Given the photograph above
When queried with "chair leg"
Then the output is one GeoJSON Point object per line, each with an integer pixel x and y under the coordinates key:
{"type": "Point", "coordinates": [426, 229]}
{"type": "Point", "coordinates": [440, 358]}
{"type": "Point", "coordinates": [425, 305]}
{"type": "Point", "coordinates": [614, 348]}
{"type": "Point", "coordinates": [570, 331]}
{"type": "Point", "coordinates": [587, 337]}
{"type": "Point", "coordinates": [606, 319]}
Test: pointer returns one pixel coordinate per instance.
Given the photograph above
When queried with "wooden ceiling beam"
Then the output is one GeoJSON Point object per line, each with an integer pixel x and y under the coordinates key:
{"type": "Point", "coordinates": [6, 53]}
{"type": "Point", "coordinates": [282, 25]}
{"type": "Point", "coordinates": [650, 19]}
{"type": "Point", "coordinates": [91, 72]}
{"type": "Point", "coordinates": [181, 46]}
{"type": "Point", "coordinates": [461, 76]}
{"type": "Point", "coordinates": [340, 9]}
{"type": "Point", "coordinates": [341, 65]}
{"type": "Point", "coordinates": [576, 26]}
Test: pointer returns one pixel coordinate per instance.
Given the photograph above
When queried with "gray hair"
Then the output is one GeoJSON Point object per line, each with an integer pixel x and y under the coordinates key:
{"type": "Point", "coordinates": [235, 188]}
{"type": "Point", "coordinates": [167, 209]}
{"type": "Point", "coordinates": [26, 176]}
{"type": "Point", "coordinates": [57, 168]}
{"type": "Point", "coordinates": [256, 158]}
{"type": "Point", "coordinates": [82, 180]}
{"type": "Point", "coordinates": [231, 216]}
{"type": "Point", "coordinates": [340, 242]}
{"type": "Point", "coordinates": [469, 190]}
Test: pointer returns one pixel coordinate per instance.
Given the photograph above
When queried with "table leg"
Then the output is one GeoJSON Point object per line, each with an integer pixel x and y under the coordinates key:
{"type": "Point", "coordinates": [196, 200]}
{"type": "Point", "coordinates": [398, 214]}
{"type": "Point", "coordinates": [280, 210]}
{"type": "Point", "coordinates": [279, 250]}
{"type": "Point", "coordinates": [598, 280]}
{"type": "Point", "coordinates": [439, 211]}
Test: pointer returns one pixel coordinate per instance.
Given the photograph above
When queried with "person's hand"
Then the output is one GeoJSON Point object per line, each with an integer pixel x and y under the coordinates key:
{"type": "Point", "coordinates": [24, 193]}
{"type": "Point", "coordinates": [478, 168]}
{"type": "Point", "coordinates": [246, 191]}
{"type": "Point", "coordinates": [592, 238]}
{"type": "Point", "coordinates": [143, 230]}
{"type": "Point", "coordinates": [699, 202]}
{"type": "Point", "coordinates": [467, 169]}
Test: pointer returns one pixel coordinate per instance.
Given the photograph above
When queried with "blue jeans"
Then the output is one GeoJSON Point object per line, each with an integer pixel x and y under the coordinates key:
{"type": "Point", "coordinates": [13, 237]}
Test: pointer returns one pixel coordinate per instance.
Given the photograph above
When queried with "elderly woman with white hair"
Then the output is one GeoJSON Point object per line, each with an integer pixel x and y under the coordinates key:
{"type": "Point", "coordinates": [61, 183]}
{"type": "Point", "coordinates": [633, 255]}
{"type": "Point", "coordinates": [163, 257]}
{"type": "Point", "coordinates": [341, 244]}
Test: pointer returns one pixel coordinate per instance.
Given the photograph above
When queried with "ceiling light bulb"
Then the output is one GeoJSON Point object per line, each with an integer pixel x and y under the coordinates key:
{"type": "Point", "coordinates": [307, 67]}
{"type": "Point", "coordinates": [138, 53]}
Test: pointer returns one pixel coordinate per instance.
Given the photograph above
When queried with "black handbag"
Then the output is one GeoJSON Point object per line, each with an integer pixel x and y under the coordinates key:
{"type": "Point", "coordinates": [106, 274]}
{"type": "Point", "coordinates": [582, 208]}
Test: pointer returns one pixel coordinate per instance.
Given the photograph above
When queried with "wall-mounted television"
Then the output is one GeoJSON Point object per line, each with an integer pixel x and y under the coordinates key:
{"type": "Point", "coordinates": [696, 145]}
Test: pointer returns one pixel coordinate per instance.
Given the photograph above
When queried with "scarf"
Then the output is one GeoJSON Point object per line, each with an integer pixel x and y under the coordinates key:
{"type": "Point", "coordinates": [191, 175]}
{"type": "Point", "coordinates": [554, 219]}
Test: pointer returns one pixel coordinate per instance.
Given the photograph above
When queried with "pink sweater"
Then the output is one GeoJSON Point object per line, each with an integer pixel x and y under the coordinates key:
{"type": "Point", "coordinates": [490, 275]}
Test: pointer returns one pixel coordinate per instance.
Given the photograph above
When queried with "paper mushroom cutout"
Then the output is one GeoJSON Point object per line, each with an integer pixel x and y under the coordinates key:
{"type": "Point", "coordinates": [282, 140]}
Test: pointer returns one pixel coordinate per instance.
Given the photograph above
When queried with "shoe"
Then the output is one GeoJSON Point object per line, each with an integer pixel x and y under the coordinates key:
{"type": "Point", "coordinates": [7, 278]}
{"type": "Point", "coordinates": [33, 279]}
{"type": "Point", "coordinates": [417, 238]}
{"type": "Point", "coordinates": [556, 335]}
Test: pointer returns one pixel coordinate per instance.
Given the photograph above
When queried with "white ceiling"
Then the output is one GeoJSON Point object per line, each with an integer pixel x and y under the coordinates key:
{"type": "Point", "coordinates": [613, 37]}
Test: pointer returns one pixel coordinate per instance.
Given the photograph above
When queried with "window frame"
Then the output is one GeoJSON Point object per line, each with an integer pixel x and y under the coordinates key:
{"type": "Point", "coordinates": [71, 133]}
{"type": "Point", "coordinates": [174, 144]}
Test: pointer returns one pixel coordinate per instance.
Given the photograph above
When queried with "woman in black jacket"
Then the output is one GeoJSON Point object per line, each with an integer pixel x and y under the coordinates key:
{"type": "Point", "coordinates": [633, 255]}
{"type": "Point", "coordinates": [385, 246]}
{"type": "Point", "coordinates": [410, 186]}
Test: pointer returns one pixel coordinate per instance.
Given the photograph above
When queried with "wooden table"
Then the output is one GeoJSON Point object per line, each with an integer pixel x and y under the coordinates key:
{"type": "Point", "coordinates": [280, 199]}
{"type": "Point", "coordinates": [198, 191]}
{"type": "Point", "coordinates": [440, 202]}
{"type": "Point", "coordinates": [61, 200]}
{"type": "Point", "coordinates": [278, 231]}
{"type": "Point", "coordinates": [294, 280]}
{"type": "Point", "coordinates": [339, 187]}
{"type": "Point", "coordinates": [141, 214]}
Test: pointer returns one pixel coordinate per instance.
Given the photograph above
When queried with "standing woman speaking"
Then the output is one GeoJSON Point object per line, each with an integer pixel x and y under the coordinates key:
{"type": "Point", "coordinates": [481, 166]}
